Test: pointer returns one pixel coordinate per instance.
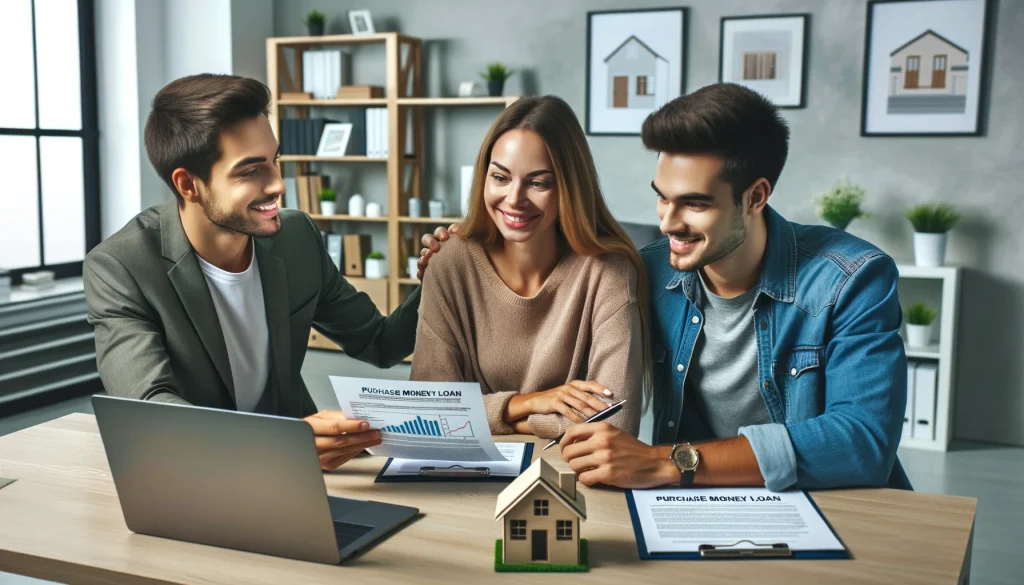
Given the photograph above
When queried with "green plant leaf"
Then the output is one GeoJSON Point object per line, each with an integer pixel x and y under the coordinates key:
{"type": "Point", "coordinates": [841, 203]}
{"type": "Point", "coordinates": [921, 314]}
{"type": "Point", "coordinates": [315, 17]}
{"type": "Point", "coordinates": [375, 255]}
{"type": "Point", "coordinates": [934, 218]}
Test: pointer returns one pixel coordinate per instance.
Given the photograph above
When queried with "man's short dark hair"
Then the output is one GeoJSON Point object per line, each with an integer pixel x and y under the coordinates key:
{"type": "Point", "coordinates": [183, 129]}
{"type": "Point", "coordinates": [726, 120]}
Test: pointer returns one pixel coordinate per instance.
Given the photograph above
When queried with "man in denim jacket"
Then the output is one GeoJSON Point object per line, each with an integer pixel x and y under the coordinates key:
{"type": "Point", "coordinates": [775, 346]}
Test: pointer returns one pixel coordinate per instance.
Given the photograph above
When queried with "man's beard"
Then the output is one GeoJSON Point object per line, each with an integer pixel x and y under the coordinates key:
{"type": "Point", "coordinates": [237, 222]}
{"type": "Point", "coordinates": [734, 239]}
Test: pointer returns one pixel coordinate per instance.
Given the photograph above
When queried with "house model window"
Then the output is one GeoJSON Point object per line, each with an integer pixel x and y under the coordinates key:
{"type": "Point", "coordinates": [564, 530]}
{"type": "Point", "coordinates": [517, 530]}
{"type": "Point", "coordinates": [645, 85]}
{"type": "Point", "coordinates": [540, 507]}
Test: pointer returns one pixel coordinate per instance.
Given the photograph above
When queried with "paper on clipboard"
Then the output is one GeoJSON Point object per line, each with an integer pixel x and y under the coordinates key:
{"type": "Point", "coordinates": [681, 520]}
{"type": "Point", "coordinates": [507, 467]}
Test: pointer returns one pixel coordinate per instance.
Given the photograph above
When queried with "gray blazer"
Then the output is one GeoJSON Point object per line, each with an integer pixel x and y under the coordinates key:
{"type": "Point", "coordinates": [157, 332]}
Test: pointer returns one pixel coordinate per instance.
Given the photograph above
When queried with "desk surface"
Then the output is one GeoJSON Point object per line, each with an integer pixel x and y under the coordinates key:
{"type": "Point", "coordinates": [61, 521]}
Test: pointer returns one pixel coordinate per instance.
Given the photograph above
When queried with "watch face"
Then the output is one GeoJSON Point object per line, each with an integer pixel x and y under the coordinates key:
{"type": "Point", "coordinates": [686, 458]}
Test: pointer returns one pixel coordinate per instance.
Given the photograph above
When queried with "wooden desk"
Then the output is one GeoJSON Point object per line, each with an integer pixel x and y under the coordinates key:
{"type": "Point", "coordinates": [61, 521]}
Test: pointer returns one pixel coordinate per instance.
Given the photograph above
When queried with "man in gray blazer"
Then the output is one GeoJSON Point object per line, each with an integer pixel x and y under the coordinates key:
{"type": "Point", "coordinates": [209, 299]}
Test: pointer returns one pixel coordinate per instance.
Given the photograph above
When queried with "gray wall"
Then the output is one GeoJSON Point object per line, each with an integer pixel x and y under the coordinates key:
{"type": "Point", "coordinates": [547, 39]}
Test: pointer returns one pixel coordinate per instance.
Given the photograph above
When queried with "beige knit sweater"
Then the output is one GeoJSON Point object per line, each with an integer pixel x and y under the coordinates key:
{"type": "Point", "coordinates": [584, 324]}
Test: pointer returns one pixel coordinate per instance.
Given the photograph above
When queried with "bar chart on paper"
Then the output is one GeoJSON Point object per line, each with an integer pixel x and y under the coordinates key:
{"type": "Point", "coordinates": [433, 426]}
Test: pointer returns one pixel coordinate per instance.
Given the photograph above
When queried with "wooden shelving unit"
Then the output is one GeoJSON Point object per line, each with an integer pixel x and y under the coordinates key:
{"type": "Point", "coordinates": [403, 56]}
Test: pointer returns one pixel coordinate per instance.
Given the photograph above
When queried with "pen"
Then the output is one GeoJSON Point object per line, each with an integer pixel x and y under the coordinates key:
{"type": "Point", "coordinates": [612, 409]}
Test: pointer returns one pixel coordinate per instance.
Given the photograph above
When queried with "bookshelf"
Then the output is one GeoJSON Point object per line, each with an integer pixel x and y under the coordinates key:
{"type": "Point", "coordinates": [403, 101]}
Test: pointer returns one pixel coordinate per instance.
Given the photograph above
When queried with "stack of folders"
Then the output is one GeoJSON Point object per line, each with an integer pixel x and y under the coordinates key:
{"type": "Point", "coordinates": [323, 72]}
{"type": "Point", "coordinates": [303, 192]}
{"type": "Point", "coordinates": [377, 132]}
{"type": "Point", "coordinates": [922, 385]}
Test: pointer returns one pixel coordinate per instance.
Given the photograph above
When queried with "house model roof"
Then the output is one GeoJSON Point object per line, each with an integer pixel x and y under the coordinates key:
{"type": "Point", "coordinates": [924, 34]}
{"type": "Point", "coordinates": [626, 42]}
{"type": "Point", "coordinates": [540, 472]}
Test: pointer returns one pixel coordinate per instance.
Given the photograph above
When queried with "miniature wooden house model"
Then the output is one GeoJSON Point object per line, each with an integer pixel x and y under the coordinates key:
{"type": "Point", "coordinates": [541, 511]}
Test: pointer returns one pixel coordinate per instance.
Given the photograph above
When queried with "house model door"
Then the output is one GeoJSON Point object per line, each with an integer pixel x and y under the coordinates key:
{"type": "Point", "coordinates": [913, 69]}
{"type": "Point", "coordinates": [540, 545]}
{"type": "Point", "coordinates": [620, 97]}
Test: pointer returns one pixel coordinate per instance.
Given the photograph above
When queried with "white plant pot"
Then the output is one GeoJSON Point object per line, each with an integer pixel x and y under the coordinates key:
{"type": "Point", "coordinates": [327, 207]}
{"type": "Point", "coordinates": [413, 268]}
{"type": "Point", "coordinates": [929, 249]}
{"type": "Point", "coordinates": [376, 268]}
{"type": "Point", "coordinates": [356, 206]}
{"type": "Point", "coordinates": [919, 335]}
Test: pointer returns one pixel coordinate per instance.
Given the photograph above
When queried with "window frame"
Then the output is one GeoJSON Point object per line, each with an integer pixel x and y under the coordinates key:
{"type": "Point", "coordinates": [89, 135]}
{"type": "Point", "coordinates": [563, 529]}
{"type": "Point", "coordinates": [517, 530]}
{"type": "Point", "coordinates": [541, 507]}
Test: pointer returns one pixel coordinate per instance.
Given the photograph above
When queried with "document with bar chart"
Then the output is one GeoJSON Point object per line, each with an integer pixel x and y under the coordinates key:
{"type": "Point", "coordinates": [421, 420]}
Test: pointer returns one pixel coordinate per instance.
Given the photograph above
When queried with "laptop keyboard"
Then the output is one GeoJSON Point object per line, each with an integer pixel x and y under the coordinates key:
{"type": "Point", "coordinates": [347, 533]}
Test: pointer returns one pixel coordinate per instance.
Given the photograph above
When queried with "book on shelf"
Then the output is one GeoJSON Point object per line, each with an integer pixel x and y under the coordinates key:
{"type": "Point", "coordinates": [359, 92]}
{"type": "Point", "coordinates": [291, 193]}
{"type": "Point", "coordinates": [324, 71]}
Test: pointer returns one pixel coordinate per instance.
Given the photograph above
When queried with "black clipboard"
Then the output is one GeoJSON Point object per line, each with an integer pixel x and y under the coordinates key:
{"type": "Point", "coordinates": [730, 551]}
{"type": "Point", "coordinates": [467, 471]}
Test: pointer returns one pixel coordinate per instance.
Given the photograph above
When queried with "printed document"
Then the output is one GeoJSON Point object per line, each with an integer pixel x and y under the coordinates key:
{"type": "Point", "coordinates": [438, 421]}
{"type": "Point", "coordinates": [510, 465]}
{"type": "Point", "coordinates": [680, 520]}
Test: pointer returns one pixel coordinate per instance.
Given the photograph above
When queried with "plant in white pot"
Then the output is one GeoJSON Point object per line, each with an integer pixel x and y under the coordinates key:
{"type": "Point", "coordinates": [376, 266]}
{"type": "Point", "coordinates": [840, 204]}
{"type": "Point", "coordinates": [931, 222]}
{"type": "Point", "coordinates": [919, 324]}
{"type": "Point", "coordinates": [328, 198]}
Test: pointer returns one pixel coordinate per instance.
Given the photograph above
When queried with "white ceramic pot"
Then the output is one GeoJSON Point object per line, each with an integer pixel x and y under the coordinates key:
{"type": "Point", "coordinates": [374, 210]}
{"type": "Point", "coordinates": [356, 206]}
{"type": "Point", "coordinates": [413, 268]}
{"type": "Point", "coordinates": [415, 208]}
{"type": "Point", "coordinates": [919, 335]}
{"type": "Point", "coordinates": [327, 207]}
{"type": "Point", "coordinates": [929, 249]}
{"type": "Point", "coordinates": [376, 268]}
{"type": "Point", "coordinates": [437, 208]}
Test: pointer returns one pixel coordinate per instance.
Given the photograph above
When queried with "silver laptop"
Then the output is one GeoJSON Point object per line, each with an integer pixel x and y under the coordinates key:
{"type": "Point", "coordinates": [236, 480]}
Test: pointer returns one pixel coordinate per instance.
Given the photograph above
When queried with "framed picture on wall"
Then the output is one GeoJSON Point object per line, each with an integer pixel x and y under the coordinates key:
{"type": "Point", "coordinates": [924, 64]}
{"type": "Point", "coordinates": [768, 54]}
{"type": "Point", "coordinates": [636, 61]}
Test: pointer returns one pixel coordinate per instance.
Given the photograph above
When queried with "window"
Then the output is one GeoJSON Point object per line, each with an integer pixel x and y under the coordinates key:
{"type": "Point", "coordinates": [540, 507]}
{"type": "Point", "coordinates": [644, 85]}
{"type": "Point", "coordinates": [48, 137]}
{"type": "Point", "coordinates": [564, 528]}
{"type": "Point", "coordinates": [759, 65]}
{"type": "Point", "coordinates": [518, 530]}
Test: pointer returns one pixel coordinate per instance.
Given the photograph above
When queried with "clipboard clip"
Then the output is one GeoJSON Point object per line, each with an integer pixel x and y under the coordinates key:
{"type": "Point", "coordinates": [454, 471]}
{"type": "Point", "coordinates": [727, 551]}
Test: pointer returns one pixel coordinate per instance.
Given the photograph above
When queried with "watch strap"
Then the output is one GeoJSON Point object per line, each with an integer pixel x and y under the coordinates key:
{"type": "Point", "coordinates": [686, 478]}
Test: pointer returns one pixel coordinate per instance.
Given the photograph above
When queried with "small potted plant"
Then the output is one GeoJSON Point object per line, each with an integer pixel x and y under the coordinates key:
{"type": "Point", "coordinates": [919, 324]}
{"type": "Point", "coordinates": [931, 222]}
{"type": "Point", "coordinates": [315, 21]}
{"type": "Point", "coordinates": [327, 201]}
{"type": "Point", "coordinates": [495, 77]}
{"type": "Point", "coordinates": [840, 204]}
{"type": "Point", "coordinates": [376, 267]}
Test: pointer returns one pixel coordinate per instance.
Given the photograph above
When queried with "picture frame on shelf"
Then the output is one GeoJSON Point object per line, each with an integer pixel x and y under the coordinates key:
{"type": "Point", "coordinates": [636, 62]}
{"type": "Point", "coordinates": [334, 139]}
{"type": "Point", "coordinates": [466, 88]}
{"type": "Point", "coordinates": [361, 22]}
{"type": "Point", "coordinates": [768, 54]}
{"type": "Point", "coordinates": [925, 67]}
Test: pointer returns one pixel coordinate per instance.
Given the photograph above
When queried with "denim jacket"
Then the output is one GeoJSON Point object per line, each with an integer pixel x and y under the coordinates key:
{"type": "Point", "coordinates": [831, 363]}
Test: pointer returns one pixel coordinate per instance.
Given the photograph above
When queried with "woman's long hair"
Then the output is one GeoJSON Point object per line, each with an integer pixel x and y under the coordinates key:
{"type": "Point", "coordinates": [584, 220]}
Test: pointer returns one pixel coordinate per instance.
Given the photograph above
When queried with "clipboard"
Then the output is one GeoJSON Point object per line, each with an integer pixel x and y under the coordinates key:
{"type": "Point", "coordinates": [767, 550]}
{"type": "Point", "coordinates": [467, 471]}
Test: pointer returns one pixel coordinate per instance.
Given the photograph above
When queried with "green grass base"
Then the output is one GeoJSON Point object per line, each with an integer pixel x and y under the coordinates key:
{"type": "Point", "coordinates": [501, 567]}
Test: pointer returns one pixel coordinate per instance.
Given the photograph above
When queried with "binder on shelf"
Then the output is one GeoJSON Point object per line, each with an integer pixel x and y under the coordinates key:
{"type": "Point", "coordinates": [291, 193]}
{"type": "Point", "coordinates": [357, 247]}
{"type": "Point", "coordinates": [925, 384]}
{"type": "Point", "coordinates": [385, 134]}
{"type": "Point", "coordinates": [302, 182]}
{"type": "Point", "coordinates": [908, 417]}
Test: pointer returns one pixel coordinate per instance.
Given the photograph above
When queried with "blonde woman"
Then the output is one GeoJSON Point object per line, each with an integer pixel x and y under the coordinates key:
{"type": "Point", "coordinates": [538, 297]}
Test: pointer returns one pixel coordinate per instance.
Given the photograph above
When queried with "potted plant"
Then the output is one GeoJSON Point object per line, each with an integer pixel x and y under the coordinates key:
{"type": "Point", "coordinates": [327, 201]}
{"type": "Point", "coordinates": [376, 267]}
{"type": "Point", "coordinates": [315, 21]}
{"type": "Point", "coordinates": [931, 222]}
{"type": "Point", "coordinates": [495, 77]}
{"type": "Point", "coordinates": [919, 324]}
{"type": "Point", "coordinates": [840, 204]}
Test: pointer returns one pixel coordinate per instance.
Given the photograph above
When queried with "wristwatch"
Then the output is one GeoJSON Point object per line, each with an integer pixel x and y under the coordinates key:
{"type": "Point", "coordinates": [685, 458]}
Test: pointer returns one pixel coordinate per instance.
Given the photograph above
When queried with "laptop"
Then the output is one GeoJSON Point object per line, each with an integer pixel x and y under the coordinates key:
{"type": "Point", "coordinates": [236, 480]}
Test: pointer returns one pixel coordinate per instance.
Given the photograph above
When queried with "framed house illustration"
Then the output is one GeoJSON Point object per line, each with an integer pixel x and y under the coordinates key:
{"type": "Point", "coordinates": [928, 75]}
{"type": "Point", "coordinates": [541, 512]}
{"type": "Point", "coordinates": [637, 76]}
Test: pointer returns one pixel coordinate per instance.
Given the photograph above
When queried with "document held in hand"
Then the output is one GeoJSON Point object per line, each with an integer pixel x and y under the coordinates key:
{"type": "Point", "coordinates": [442, 421]}
{"type": "Point", "coordinates": [729, 522]}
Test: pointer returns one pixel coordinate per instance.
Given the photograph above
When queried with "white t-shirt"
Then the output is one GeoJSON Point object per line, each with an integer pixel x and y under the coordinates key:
{"type": "Point", "coordinates": [238, 298]}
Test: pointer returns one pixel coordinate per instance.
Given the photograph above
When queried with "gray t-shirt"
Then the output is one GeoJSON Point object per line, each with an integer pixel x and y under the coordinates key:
{"type": "Point", "coordinates": [724, 372]}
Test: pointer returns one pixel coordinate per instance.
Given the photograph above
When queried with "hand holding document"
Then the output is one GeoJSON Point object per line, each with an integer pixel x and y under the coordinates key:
{"type": "Point", "coordinates": [688, 523]}
{"type": "Point", "coordinates": [441, 421]}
